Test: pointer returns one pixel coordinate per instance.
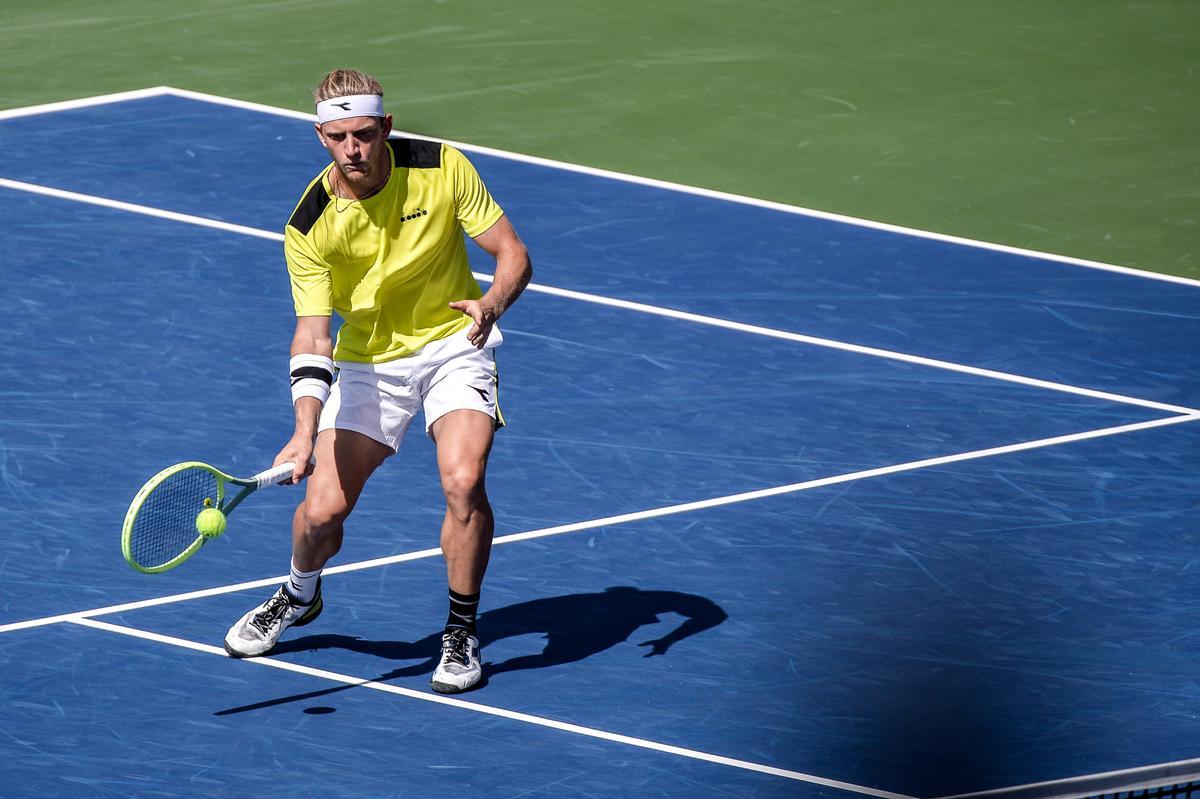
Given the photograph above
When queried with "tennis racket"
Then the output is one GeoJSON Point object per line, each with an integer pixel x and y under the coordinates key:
{"type": "Point", "coordinates": [161, 530]}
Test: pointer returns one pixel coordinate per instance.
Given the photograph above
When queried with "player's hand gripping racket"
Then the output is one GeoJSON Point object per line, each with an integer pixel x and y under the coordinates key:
{"type": "Point", "coordinates": [183, 506]}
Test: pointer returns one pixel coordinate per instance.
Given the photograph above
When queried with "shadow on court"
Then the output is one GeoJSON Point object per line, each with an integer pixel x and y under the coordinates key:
{"type": "Point", "coordinates": [575, 626]}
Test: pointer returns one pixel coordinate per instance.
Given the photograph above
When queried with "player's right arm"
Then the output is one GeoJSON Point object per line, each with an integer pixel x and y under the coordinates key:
{"type": "Point", "coordinates": [312, 346]}
{"type": "Point", "coordinates": [312, 337]}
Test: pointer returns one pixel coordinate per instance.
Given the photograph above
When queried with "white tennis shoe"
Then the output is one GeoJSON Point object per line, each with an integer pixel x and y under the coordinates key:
{"type": "Point", "coordinates": [459, 668]}
{"type": "Point", "coordinates": [258, 631]}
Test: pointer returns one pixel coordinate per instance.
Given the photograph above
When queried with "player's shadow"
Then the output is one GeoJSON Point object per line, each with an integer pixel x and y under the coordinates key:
{"type": "Point", "coordinates": [575, 626]}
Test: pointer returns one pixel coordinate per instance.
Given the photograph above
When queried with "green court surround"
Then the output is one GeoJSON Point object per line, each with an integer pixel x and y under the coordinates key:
{"type": "Point", "coordinates": [1066, 127]}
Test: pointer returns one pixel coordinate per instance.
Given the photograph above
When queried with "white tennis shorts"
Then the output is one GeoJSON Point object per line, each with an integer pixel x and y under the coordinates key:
{"type": "Point", "coordinates": [380, 400]}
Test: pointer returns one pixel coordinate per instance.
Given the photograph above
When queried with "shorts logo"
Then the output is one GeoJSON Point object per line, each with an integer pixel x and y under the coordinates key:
{"type": "Point", "coordinates": [414, 215]}
{"type": "Point", "coordinates": [482, 393]}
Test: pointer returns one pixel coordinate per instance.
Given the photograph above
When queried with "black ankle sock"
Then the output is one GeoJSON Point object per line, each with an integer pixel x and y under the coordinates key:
{"type": "Point", "coordinates": [463, 608]}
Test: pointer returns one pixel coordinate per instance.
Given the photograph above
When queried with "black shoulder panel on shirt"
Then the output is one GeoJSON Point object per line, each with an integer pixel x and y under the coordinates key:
{"type": "Point", "coordinates": [416, 153]}
{"type": "Point", "coordinates": [310, 208]}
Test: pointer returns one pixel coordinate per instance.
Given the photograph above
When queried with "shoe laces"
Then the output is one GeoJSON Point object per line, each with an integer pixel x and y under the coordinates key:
{"type": "Point", "coordinates": [275, 608]}
{"type": "Point", "coordinates": [456, 646]}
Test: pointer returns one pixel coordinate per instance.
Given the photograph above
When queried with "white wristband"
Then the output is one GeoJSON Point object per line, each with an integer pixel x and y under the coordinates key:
{"type": "Point", "coordinates": [312, 376]}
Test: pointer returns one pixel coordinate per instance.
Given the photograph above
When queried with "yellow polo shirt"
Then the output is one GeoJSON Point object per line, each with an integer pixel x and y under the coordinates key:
{"type": "Point", "coordinates": [389, 264]}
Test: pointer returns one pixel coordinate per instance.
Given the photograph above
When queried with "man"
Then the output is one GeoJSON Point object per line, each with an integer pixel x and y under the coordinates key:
{"type": "Point", "coordinates": [378, 238]}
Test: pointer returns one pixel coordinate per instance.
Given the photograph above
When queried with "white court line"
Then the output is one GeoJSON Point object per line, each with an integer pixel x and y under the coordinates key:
{"type": "Point", "coordinates": [640, 307]}
{"type": "Point", "coordinates": [614, 175]}
{"type": "Point", "coordinates": [85, 102]}
{"type": "Point", "coordinates": [863, 350]}
{"type": "Point", "coordinates": [144, 210]}
{"type": "Point", "coordinates": [475, 707]}
{"type": "Point", "coordinates": [625, 518]}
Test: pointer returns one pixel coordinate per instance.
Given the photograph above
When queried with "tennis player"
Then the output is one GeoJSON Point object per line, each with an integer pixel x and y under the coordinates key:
{"type": "Point", "coordinates": [378, 238]}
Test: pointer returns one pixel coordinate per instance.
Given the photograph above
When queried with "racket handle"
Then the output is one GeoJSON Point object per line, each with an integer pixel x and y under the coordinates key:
{"type": "Point", "coordinates": [274, 475]}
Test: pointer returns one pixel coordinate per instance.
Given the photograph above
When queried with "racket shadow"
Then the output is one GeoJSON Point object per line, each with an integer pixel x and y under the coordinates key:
{"type": "Point", "coordinates": [575, 626]}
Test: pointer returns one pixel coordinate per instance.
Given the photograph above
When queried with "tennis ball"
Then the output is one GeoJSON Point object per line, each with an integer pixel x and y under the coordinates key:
{"type": "Point", "coordinates": [210, 522]}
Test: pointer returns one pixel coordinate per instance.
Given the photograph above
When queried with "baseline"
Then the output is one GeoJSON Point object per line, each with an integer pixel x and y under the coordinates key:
{"type": "Point", "coordinates": [494, 711]}
{"type": "Point", "coordinates": [247, 105]}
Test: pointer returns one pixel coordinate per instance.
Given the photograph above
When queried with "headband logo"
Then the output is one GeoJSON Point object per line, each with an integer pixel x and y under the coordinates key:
{"type": "Point", "coordinates": [343, 106]}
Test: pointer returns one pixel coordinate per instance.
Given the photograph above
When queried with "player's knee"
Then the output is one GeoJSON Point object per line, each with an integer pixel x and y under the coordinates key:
{"type": "Point", "coordinates": [463, 488]}
{"type": "Point", "coordinates": [323, 516]}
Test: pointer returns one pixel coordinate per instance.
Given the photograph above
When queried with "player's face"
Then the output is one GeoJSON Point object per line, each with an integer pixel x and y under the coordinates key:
{"type": "Point", "coordinates": [357, 147]}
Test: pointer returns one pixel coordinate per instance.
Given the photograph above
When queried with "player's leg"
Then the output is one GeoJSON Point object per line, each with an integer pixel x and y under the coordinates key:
{"type": "Point", "coordinates": [464, 440]}
{"type": "Point", "coordinates": [345, 459]}
{"type": "Point", "coordinates": [462, 415]}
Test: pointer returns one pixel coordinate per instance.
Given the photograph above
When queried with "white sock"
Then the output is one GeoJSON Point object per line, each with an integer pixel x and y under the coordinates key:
{"type": "Point", "coordinates": [303, 585]}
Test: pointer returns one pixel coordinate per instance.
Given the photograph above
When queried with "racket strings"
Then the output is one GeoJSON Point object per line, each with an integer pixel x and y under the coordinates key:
{"type": "Point", "coordinates": [165, 525]}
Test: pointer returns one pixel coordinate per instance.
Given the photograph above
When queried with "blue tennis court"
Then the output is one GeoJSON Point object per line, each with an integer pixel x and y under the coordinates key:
{"type": "Point", "coordinates": [788, 505]}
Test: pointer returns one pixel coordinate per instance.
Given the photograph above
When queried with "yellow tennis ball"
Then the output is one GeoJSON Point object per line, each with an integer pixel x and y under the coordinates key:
{"type": "Point", "coordinates": [210, 522]}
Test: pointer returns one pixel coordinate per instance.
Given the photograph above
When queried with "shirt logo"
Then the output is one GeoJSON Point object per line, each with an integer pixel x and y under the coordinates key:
{"type": "Point", "coordinates": [414, 215]}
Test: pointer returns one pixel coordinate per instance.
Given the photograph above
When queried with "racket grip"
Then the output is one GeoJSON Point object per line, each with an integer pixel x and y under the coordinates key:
{"type": "Point", "coordinates": [274, 475]}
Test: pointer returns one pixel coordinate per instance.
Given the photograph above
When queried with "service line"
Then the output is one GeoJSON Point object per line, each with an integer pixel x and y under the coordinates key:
{"type": "Point", "coordinates": [640, 307]}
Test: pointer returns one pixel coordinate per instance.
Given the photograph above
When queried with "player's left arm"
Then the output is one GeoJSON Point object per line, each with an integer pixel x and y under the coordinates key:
{"type": "Point", "coordinates": [513, 273]}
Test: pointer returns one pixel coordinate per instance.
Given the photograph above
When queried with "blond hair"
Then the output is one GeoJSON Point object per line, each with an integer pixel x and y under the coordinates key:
{"type": "Point", "coordinates": [345, 82]}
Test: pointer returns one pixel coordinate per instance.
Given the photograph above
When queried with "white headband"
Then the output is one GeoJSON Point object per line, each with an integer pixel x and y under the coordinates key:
{"type": "Point", "coordinates": [354, 105]}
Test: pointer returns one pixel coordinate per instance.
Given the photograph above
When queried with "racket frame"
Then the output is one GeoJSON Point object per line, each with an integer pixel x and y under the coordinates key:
{"type": "Point", "coordinates": [248, 485]}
